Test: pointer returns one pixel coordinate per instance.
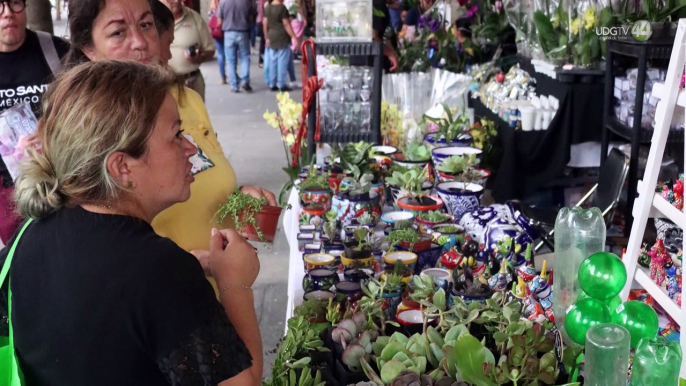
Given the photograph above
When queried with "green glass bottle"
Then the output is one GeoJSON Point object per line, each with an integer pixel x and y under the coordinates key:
{"type": "Point", "coordinates": [656, 362]}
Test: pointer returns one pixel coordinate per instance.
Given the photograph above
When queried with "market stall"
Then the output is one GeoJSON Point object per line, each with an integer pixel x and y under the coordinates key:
{"type": "Point", "coordinates": [400, 274]}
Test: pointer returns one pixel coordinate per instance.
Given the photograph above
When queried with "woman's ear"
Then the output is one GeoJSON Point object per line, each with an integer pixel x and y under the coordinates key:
{"type": "Point", "coordinates": [90, 53]}
{"type": "Point", "coordinates": [119, 168]}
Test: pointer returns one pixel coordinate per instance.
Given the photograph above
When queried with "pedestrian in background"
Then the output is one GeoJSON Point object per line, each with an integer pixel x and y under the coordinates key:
{"type": "Point", "coordinates": [192, 45]}
{"type": "Point", "coordinates": [237, 17]}
{"type": "Point", "coordinates": [218, 36]}
{"type": "Point", "coordinates": [277, 28]}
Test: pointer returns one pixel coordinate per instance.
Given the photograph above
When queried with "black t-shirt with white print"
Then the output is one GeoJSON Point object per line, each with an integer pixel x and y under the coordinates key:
{"type": "Point", "coordinates": [25, 75]}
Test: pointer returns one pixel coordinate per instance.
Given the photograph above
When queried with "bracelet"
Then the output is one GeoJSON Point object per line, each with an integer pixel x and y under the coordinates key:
{"type": "Point", "coordinates": [223, 289]}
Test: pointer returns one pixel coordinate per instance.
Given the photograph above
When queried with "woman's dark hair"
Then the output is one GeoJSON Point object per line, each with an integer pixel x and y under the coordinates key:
{"type": "Point", "coordinates": [82, 14]}
{"type": "Point", "coordinates": [164, 18]}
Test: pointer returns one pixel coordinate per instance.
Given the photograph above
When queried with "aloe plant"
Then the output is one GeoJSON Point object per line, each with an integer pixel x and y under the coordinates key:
{"type": "Point", "coordinates": [450, 127]}
{"type": "Point", "coordinates": [358, 186]}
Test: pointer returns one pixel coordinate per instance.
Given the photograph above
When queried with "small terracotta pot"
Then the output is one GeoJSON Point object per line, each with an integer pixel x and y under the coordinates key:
{"type": "Point", "coordinates": [427, 203]}
{"type": "Point", "coordinates": [424, 243]}
{"type": "Point", "coordinates": [267, 221]}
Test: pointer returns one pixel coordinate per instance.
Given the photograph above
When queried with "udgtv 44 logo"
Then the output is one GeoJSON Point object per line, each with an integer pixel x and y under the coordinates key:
{"type": "Point", "coordinates": [639, 31]}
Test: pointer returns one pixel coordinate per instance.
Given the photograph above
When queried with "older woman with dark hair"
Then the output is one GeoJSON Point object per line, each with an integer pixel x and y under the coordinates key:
{"type": "Point", "coordinates": [124, 29]}
{"type": "Point", "coordinates": [119, 304]}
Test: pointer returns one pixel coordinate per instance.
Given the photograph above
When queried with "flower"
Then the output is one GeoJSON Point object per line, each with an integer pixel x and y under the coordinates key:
{"type": "Point", "coordinates": [434, 25]}
{"type": "Point", "coordinates": [589, 18]}
{"type": "Point", "coordinates": [498, 6]}
{"type": "Point", "coordinates": [472, 11]}
{"type": "Point", "coordinates": [289, 139]}
{"type": "Point", "coordinates": [462, 2]}
{"type": "Point", "coordinates": [576, 24]}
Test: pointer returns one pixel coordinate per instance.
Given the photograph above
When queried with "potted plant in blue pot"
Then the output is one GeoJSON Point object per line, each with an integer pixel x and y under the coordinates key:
{"type": "Point", "coordinates": [460, 197]}
{"type": "Point", "coordinates": [451, 130]}
{"type": "Point", "coordinates": [416, 156]}
{"type": "Point", "coordinates": [460, 168]}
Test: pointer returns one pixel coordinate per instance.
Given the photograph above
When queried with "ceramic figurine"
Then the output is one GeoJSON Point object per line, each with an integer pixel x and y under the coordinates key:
{"type": "Point", "coordinates": [655, 254]}
{"type": "Point", "coordinates": [541, 289]}
{"type": "Point", "coordinates": [500, 280]}
{"type": "Point", "coordinates": [667, 194]}
{"type": "Point", "coordinates": [672, 283]}
{"type": "Point", "coordinates": [679, 194]}
{"type": "Point", "coordinates": [528, 271]}
{"type": "Point", "coordinates": [644, 258]}
{"type": "Point", "coordinates": [451, 259]}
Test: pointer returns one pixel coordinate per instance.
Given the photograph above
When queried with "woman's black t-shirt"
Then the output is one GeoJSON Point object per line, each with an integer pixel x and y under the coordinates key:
{"type": "Point", "coordinates": [103, 300]}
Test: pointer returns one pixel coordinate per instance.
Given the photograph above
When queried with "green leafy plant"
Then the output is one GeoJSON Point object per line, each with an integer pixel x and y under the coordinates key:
{"type": "Point", "coordinates": [447, 229]}
{"type": "Point", "coordinates": [300, 339]}
{"type": "Point", "coordinates": [330, 229]}
{"type": "Point", "coordinates": [434, 216]}
{"type": "Point", "coordinates": [355, 159]}
{"type": "Point", "coordinates": [423, 287]}
{"type": "Point", "coordinates": [333, 312]}
{"type": "Point", "coordinates": [394, 280]}
{"type": "Point", "coordinates": [361, 235]}
{"type": "Point", "coordinates": [401, 225]}
{"type": "Point", "coordinates": [457, 164]}
{"type": "Point", "coordinates": [651, 10]}
{"type": "Point", "coordinates": [241, 209]}
{"type": "Point", "coordinates": [311, 309]}
{"type": "Point", "coordinates": [398, 236]}
{"type": "Point", "coordinates": [358, 186]}
{"type": "Point", "coordinates": [411, 181]}
{"type": "Point", "coordinates": [417, 152]}
{"type": "Point", "coordinates": [450, 127]}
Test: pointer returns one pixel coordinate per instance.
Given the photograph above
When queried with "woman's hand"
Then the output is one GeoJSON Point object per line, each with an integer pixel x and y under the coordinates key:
{"type": "Point", "coordinates": [232, 260]}
{"type": "Point", "coordinates": [258, 192]}
{"type": "Point", "coordinates": [203, 257]}
{"type": "Point", "coordinates": [28, 141]}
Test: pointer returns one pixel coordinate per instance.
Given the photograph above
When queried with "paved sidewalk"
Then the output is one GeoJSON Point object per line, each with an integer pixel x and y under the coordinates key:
{"type": "Point", "coordinates": [257, 155]}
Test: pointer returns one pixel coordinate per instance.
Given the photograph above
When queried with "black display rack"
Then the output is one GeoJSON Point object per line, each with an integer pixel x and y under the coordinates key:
{"type": "Point", "coordinates": [373, 49]}
{"type": "Point", "coordinates": [655, 48]}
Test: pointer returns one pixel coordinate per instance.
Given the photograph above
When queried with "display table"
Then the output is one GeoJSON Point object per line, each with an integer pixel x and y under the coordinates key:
{"type": "Point", "coordinates": [296, 270]}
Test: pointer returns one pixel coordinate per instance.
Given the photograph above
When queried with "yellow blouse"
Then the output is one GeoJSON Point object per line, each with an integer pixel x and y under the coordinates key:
{"type": "Point", "coordinates": [190, 223]}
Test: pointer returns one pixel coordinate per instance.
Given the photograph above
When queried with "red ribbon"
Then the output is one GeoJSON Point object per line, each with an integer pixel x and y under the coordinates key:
{"type": "Point", "coordinates": [311, 85]}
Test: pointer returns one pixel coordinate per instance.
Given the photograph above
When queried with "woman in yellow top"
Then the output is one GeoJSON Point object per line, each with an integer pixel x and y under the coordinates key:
{"type": "Point", "coordinates": [125, 30]}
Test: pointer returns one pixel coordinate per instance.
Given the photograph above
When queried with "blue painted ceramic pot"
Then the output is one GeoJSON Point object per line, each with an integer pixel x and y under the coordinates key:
{"type": "Point", "coordinates": [460, 198]}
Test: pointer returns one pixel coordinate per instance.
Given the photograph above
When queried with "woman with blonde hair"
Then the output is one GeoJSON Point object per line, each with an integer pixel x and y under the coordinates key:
{"type": "Point", "coordinates": [124, 29]}
{"type": "Point", "coordinates": [97, 297]}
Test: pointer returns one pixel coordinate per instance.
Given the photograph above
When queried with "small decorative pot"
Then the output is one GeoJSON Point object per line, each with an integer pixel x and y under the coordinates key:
{"type": "Point", "coordinates": [384, 150]}
{"type": "Point", "coordinates": [460, 198]}
{"type": "Point", "coordinates": [267, 220]}
{"type": "Point", "coordinates": [335, 182]}
{"type": "Point", "coordinates": [319, 295]}
{"type": "Point", "coordinates": [312, 217]}
{"type": "Point", "coordinates": [307, 228]}
{"type": "Point", "coordinates": [390, 218]}
{"type": "Point", "coordinates": [426, 226]}
{"type": "Point", "coordinates": [367, 262]}
{"type": "Point", "coordinates": [337, 262]}
{"type": "Point", "coordinates": [351, 207]}
{"type": "Point", "coordinates": [447, 177]}
{"type": "Point", "coordinates": [304, 239]}
{"type": "Point", "coordinates": [406, 279]}
{"type": "Point", "coordinates": [409, 259]}
{"type": "Point", "coordinates": [427, 258]}
{"type": "Point", "coordinates": [407, 303]}
{"type": "Point", "coordinates": [412, 320]}
{"type": "Point", "coordinates": [378, 260]}
{"type": "Point", "coordinates": [440, 154]}
{"type": "Point", "coordinates": [423, 204]}
{"type": "Point", "coordinates": [351, 251]}
{"type": "Point", "coordinates": [348, 292]}
{"type": "Point", "coordinates": [320, 280]}
{"type": "Point", "coordinates": [316, 199]}
{"type": "Point", "coordinates": [319, 261]}
{"type": "Point", "coordinates": [335, 246]}
{"type": "Point", "coordinates": [358, 275]}
{"type": "Point", "coordinates": [442, 278]}
{"type": "Point", "coordinates": [312, 248]}
{"type": "Point", "coordinates": [458, 290]}
{"type": "Point", "coordinates": [463, 140]}
{"type": "Point", "coordinates": [423, 244]}
{"type": "Point", "coordinates": [445, 229]}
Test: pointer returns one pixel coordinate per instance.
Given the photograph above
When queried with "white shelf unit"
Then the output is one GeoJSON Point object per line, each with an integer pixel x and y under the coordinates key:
{"type": "Point", "coordinates": [650, 204]}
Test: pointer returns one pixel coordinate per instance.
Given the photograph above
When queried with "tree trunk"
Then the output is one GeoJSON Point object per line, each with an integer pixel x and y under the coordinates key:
{"type": "Point", "coordinates": [38, 13]}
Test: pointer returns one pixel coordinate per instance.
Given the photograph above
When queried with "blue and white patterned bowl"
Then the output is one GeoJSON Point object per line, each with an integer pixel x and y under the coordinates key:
{"type": "Point", "coordinates": [440, 154]}
{"type": "Point", "coordinates": [460, 198]}
{"type": "Point", "coordinates": [463, 139]}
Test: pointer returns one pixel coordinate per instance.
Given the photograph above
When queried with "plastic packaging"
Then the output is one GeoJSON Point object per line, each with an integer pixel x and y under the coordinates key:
{"type": "Point", "coordinates": [579, 233]}
{"type": "Point", "coordinates": [607, 355]}
{"type": "Point", "coordinates": [656, 362]}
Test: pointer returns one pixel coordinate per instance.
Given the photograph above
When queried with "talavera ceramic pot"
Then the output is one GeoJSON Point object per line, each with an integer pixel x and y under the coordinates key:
{"type": "Point", "coordinates": [349, 207]}
{"type": "Point", "coordinates": [320, 280]}
{"type": "Point", "coordinates": [460, 198]}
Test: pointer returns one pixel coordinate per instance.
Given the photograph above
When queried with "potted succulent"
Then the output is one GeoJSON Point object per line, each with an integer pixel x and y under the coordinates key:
{"type": "Point", "coordinates": [315, 192]}
{"type": "Point", "coordinates": [462, 169]}
{"type": "Point", "coordinates": [416, 199]}
{"type": "Point", "coordinates": [451, 130]}
{"type": "Point", "coordinates": [314, 311]}
{"type": "Point", "coordinates": [416, 156]}
{"type": "Point", "coordinates": [358, 247]}
{"type": "Point", "coordinates": [355, 199]}
{"type": "Point", "coordinates": [251, 216]}
{"type": "Point", "coordinates": [408, 238]}
{"type": "Point", "coordinates": [392, 289]}
{"type": "Point", "coordinates": [427, 219]}
{"type": "Point", "coordinates": [470, 289]}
